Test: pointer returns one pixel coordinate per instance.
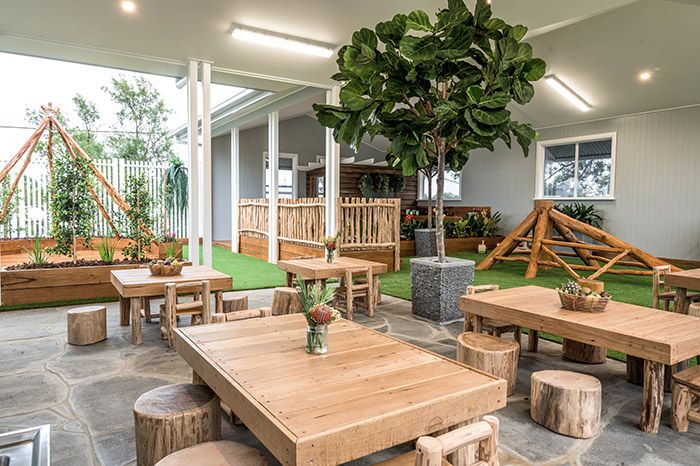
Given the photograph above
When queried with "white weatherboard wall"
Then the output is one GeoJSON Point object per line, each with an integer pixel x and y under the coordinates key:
{"type": "Point", "coordinates": [657, 182]}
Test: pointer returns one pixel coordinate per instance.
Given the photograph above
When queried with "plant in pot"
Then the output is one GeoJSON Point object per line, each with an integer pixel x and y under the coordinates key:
{"type": "Point", "coordinates": [437, 90]}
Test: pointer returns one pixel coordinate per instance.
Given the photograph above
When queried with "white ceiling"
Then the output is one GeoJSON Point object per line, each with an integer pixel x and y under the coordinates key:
{"type": "Point", "coordinates": [596, 46]}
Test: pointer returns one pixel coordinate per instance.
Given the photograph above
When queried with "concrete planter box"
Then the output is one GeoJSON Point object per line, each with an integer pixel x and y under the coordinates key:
{"type": "Point", "coordinates": [426, 245]}
{"type": "Point", "coordinates": [436, 287]}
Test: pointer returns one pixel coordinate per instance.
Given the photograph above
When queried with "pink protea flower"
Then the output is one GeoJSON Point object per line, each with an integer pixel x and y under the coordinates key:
{"type": "Point", "coordinates": [323, 314]}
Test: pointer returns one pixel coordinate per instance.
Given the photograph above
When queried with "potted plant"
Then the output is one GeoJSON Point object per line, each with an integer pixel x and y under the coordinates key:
{"type": "Point", "coordinates": [438, 90]}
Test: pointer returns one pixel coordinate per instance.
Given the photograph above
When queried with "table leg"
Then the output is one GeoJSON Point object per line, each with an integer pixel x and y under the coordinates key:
{"type": "Point", "coordinates": [290, 279]}
{"type": "Point", "coordinates": [478, 324]}
{"type": "Point", "coordinates": [124, 311]}
{"type": "Point", "coordinates": [219, 301]}
{"type": "Point", "coordinates": [377, 290]}
{"type": "Point", "coordinates": [136, 321]}
{"type": "Point", "coordinates": [533, 339]}
{"type": "Point", "coordinates": [681, 302]}
{"type": "Point", "coordinates": [653, 397]}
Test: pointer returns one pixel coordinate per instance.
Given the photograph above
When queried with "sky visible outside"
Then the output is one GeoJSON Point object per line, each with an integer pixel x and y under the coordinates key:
{"type": "Point", "coordinates": [28, 82]}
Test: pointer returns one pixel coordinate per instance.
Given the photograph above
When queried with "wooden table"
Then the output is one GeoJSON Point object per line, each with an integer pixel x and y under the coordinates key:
{"type": "Point", "coordinates": [368, 393]}
{"type": "Point", "coordinates": [656, 336]}
{"type": "Point", "coordinates": [319, 269]}
{"type": "Point", "coordinates": [683, 281]}
{"type": "Point", "coordinates": [135, 284]}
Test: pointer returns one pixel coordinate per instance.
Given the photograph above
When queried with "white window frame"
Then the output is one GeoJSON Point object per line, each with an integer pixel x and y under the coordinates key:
{"type": "Point", "coordinates": [423, 196]}
{"type": "Point", "coordinates": [295, 172]}
{"type": "Point", "coordinates": [539, 178]}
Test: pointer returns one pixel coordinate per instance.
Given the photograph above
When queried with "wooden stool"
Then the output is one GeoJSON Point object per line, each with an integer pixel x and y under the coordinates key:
{"type": "Point", "coordinates": [490, 354]}
{"type": "Point", "coordinates": [221, 453]}
{"type": "Point", "coordinates": [583, 352]}
{"type": "Point", "coordinates": [173, 417]}
{"type": "Point", "coordinates": [235, 303]}
{"type": "Point", "coordinates": [285, 300]}
{"type": "Point", "coordinates": [686, 390]}
{"type": "Point", "coordinates": [567, 403]}
{"type": "Point", "coordinates": [87, 325]}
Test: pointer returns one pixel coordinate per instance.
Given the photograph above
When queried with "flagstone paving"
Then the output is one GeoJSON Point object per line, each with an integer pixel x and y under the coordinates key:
{"type": "Point", "coordinates": [87, 393]}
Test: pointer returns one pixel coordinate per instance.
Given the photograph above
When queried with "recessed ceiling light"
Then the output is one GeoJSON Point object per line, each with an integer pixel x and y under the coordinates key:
{"type": "Point", "coordinates": [280, 42]}
{"type": "Point", "coordinates": [645, 75]}
{"type": "Point", "coordinates": [128, 6]}
{"type": "Point", "coordinates": [568, 93]}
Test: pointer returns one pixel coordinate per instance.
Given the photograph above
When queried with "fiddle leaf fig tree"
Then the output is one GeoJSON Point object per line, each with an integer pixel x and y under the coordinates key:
{"type": "Point", "coordinates": [436, 89]}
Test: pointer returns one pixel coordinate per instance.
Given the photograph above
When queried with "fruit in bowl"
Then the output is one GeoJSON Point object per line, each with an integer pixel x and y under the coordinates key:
{"type": "Point", "coordinates": [575, 297]}
{"type": "Point", "coordinates": [166, 267]}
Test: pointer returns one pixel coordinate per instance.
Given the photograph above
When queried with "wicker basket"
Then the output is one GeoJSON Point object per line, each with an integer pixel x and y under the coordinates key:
{"type": "Point", "coordinates": [165, 270]}
{"type": "Point", "coordinates": [581, 304]}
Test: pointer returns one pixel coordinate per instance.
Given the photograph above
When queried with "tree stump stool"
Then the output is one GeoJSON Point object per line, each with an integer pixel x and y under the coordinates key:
{"type": "Point", "coordinates": [235, 303]}
{"type": "Point", "coordinates": [285, 300]}
{"type": "Point", "coordinates": [87, 325]}
{"type": "Point", "coordinates": [490, 354]}
{"type": "Point", "coordinates": [221, 453]}
{"type": "Point", "coordinates": [566, 402]}
{"type": "Point", "coordinates": [173, 417]}
{"type": "Point", "coordinates": [583, 352]}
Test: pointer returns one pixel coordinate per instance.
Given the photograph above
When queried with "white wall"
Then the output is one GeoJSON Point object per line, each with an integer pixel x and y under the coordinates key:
{"type": "Point", "coordinates": [657, 195]}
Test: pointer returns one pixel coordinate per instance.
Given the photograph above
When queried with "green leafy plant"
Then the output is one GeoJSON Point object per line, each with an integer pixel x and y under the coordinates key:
{"type": "Point", "coordinates": [437, 91]}
{"type": "Point", "coordinates": [176, 179]}
{"type": "Point", "coordinates": [397, 183]}
{"type": "Point", "coordinates": [171, 250]}
{"type": "Point", "coordinates": [106, 250]}
{"type": "Point", "coordinates": [312, 295]}
{"type": "Point", "coordinates": [383, 185]}
{"type": "Point", "coordinates": [364, 184]}
{"type": "Point", "coordinates": [138, 219]}
{"type": "Point", "coordinates": [584, 213]}
{"type": "Point", "coordinates": [37, 255]}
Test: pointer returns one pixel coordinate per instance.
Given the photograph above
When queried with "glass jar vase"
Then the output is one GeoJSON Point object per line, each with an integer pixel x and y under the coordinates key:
{"type": "Point", "coordinates": [316, 339]}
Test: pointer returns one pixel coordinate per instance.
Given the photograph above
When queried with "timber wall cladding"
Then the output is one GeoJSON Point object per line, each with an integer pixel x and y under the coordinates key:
{"type": "Point", "coordinates": [350, 175]}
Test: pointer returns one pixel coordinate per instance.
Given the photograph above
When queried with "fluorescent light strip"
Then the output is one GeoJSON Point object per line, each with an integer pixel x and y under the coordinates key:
{"type": "Point", "coordinates": [280, 42]}
{"type": "Point", "coordinates": [566, 92]}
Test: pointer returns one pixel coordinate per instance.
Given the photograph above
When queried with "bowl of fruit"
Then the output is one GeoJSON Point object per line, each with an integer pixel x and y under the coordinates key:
{"type": "Point", "coordinates": [575, 297]}
{"type": "Point", "coordinates": [166, 267]}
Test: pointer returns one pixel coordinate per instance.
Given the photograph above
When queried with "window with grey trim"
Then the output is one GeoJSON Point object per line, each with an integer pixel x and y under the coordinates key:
{"type": "Point", "coordinates": [579, 169]}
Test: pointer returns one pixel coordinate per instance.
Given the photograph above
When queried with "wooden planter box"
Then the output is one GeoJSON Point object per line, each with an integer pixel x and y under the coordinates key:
{"type": "Point", "coordinates": [55, 285]}
{"type": "Point", "coordinates": [162, 254]}
{"type": "Point", "coordinates": [408, 247]}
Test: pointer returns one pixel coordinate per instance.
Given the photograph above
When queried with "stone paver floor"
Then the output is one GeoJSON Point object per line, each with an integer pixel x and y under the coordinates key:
{"type": "Point", "coordinates": [87, 393]}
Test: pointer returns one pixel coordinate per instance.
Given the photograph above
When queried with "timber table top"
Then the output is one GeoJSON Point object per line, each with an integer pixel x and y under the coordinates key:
{"type": "Point", "coordinates": [368, 393]}
{"type": "Point", "coordinates": [137, 283]}
{"type": "Point", "coordinates": [647, 333]}
{"type": "Point", "coordinates": [688, 279]}
{"type": "Point", "coordinates": [319, 269]}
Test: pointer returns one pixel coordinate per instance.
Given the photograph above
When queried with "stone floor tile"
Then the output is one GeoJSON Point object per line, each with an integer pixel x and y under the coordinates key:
{"type": "Point", "coordinates": [30, 392]}
{"type": "Point", "coordinates": [29, 354]}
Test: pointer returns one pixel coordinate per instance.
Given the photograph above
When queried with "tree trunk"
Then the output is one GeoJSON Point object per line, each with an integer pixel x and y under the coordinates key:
{"type": "Point", "coordinates": [440, 224]}
{"type": "Point", "coordinates": [430, 198]}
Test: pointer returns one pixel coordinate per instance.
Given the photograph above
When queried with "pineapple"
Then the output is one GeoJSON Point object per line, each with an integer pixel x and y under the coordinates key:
{"type": "Point", "coordinates": [571, 287]}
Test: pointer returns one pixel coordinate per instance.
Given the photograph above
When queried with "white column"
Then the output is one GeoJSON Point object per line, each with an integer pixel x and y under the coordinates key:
{"type": "Point", "coordinates": [235, 186]}
{"type": "Point", "coordinates": [332, 178]}
{"type": "Point", "coordinates": [206, 153]}
{"type": "Point", "coordinates": [193, 148]}
{"type": "Point", "coordinates": [273, 153]}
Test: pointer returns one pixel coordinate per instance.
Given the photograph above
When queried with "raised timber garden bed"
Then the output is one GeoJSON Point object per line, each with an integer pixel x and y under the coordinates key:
{"type": "Point", "coordinates": [18, 287]}
{"type": "Point", "coordinates": [408, 247]}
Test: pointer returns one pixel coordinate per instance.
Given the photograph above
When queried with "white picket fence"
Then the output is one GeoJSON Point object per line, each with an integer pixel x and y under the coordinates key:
{"type": "Point", "coordinates": [33, 217]}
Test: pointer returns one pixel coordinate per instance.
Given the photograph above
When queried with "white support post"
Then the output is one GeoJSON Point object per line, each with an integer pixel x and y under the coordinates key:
{"type": "Point", "coordinates": [235, 187]}
{"type": "Point", "coordinates": [206, 153]}
{"type": "Point", "coordinates": [193, 149]}
{"type": "Point", "coordinates": [273, 152]}
{"type": "Point", "coordinates": [332, 181]}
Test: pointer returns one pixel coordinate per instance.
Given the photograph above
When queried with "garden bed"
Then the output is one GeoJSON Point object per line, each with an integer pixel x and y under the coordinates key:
{"type": "Point", "coordinates": [408, 247]}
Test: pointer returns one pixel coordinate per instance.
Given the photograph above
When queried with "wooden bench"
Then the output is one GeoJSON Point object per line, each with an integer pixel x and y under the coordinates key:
{"type": "Point", "coordinates": [490, 354]}
{"type": "Point", "coordinates": [221, 453]}
{"type": "Point", "coordinates": [173, 417]}
{"type": "Point", "coordinates": [87, 325]}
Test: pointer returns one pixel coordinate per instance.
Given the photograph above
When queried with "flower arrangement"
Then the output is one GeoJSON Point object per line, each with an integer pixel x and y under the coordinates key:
{"type": "Point", "coordinates": [315, 305]}
{"type": "Point", "coordinates": [331, 244]}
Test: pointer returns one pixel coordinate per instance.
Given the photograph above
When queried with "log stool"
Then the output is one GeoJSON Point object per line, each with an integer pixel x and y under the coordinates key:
{"type": "Point", "coordinates": [567, 403]}
{"type": "Point", "coordinates": [686, 390]}
{"type": "Point", "coordinates": [87, 325]}
{"type": "Point", "coordinates": [490, 354]}
{"type": "Point", "coordinates": [235, 303]}
{"type": "Point", "coordinates": [583, 352]}
{"type": "Point", "coordinates": [221, 453]}
{"type": "Point", "coordinates": [285, 300]}
{"type": "Point", "coordinates": [173, 417]}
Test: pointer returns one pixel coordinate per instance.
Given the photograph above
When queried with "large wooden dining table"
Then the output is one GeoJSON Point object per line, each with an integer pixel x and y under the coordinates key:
{"type": "Point", "coordinates": [683, 281]}
{"type": "Point", "coordinates": [135, 284]}
{"type": "Point", "coordinates": [368, 393]}
{"type": "Point", "coordinates": [656, 336]}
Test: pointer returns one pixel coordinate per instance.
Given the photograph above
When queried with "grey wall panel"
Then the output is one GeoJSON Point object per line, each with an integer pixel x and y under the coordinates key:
{"type": "Point", "coordinates": [221, 195]}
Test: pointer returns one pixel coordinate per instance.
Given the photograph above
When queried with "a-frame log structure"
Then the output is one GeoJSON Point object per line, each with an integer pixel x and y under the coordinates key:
{"type": "Point", "coordinates": [75, 152]}
{"type": "Point", "coordinates": [553, 231]}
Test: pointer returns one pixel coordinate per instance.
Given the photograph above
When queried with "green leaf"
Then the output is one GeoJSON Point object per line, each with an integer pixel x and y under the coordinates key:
{"type": "Point", "coordinates": [482, 12]}
{"type": "Point", "coordinates": [391, 32]}
{"type": "Point", "coordinates": [517, 32]}
{"type": "Point", "coordinates": [495, 24]}
{"type": "Point", "coordinates": [495, 100]}
{"type": "Point", "coordinates": [478, 129]}
{"type": "Point", "coordinates": [524, 53]}
{"type": "Point", "coordinates": [352, 95]}
{"type": "Point", "coordinates": [456, 4]}
{"type": "Point", "coordinates": [536, 68]}
{"type": "Point", "coordinates": [364, 37]}
{"type": "Point", "coordinates": [422, 157]}
{"type": "Point", "coordinates": [475, 93]}
{"type": "Point", "coordinates": [525, 134]}
{"type": "Point", "coordinates": [419, 21]}
{"type": "Point", "coordinates": [409, 166]}
{"type": "Point", "coordinates": [418, 48]}
{"type": "Point", "coordinates": [508, 49]}
{"type": "Point", "coordinates": [490, 118]}
{"type": "Point", "coordinates": [456, 44]}
{"type": "Point", "coordinates": [523, 92]}
{"type": "Point", "coordinates": [447, 110]}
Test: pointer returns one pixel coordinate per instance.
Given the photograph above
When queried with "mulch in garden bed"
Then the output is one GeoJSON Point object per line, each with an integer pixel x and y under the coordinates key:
{"type": "Point", "coordinates": [77, 263]}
